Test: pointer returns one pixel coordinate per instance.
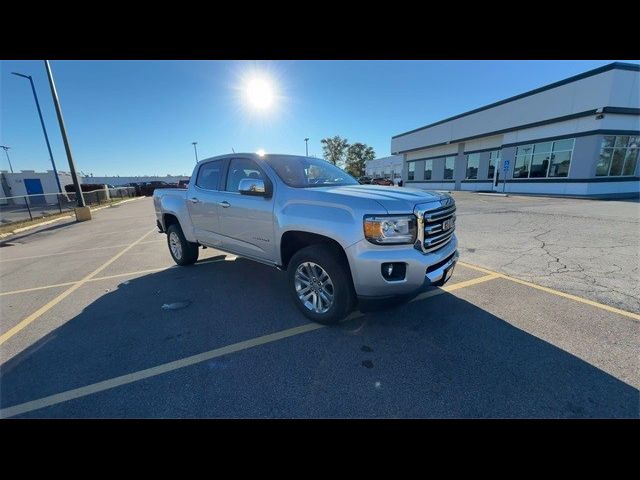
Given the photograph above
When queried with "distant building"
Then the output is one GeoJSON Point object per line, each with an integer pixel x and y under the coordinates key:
{"type": "Point", "coordinates": [578, 136]}
{"type": "Point", "coordinates": [387, 167]}
{"type": "Point", "coordinates": [30, 182]}
{"type": "Point", "coordinates": [119, 181]}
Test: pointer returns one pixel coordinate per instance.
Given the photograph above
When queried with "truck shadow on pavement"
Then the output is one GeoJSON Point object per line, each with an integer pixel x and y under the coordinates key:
{"type": "Point", "coordinates": [439, 357]}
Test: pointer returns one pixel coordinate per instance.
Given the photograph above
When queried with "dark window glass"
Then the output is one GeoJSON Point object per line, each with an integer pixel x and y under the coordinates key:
{"type": "Point", "coordinates": [449, 164]}
{"type": "Point", "coordinates": [560, 145]}
{"type": "Point", "coordinates": [521, 167]}
{"type": "Point", "coordinates": [630, 161]}
{"type": "Point", "coordinates": [560, 162]}
{"type": "Point", "coordinates": [622, 141]}
{"type": "Point", "coordinates": [428, 168]}
{"type": "Point", "coordinates": [539, 165]}
{"type": "Point", "coordinates": [240, 168]}
{"type": "Point", "coordinates": [617, 161]}
{"type": "Point", "coordinates": [209, 175]}
{"type": "Point", "coordinates": [411, 171]}
{"type": "Point", "coordinates": [542, 147]}
{"type": "Point", "coordinates": [473, 162]}
{"type": "Point", "coordinates": [608, 142]}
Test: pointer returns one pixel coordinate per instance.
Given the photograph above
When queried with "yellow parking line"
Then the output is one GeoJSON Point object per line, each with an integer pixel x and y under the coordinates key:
{"type": "Point", "coordinates": [575, 298]}
{"type": "Point", "coordinates": [154, 371]}
{"type": "Point", "coordinates": [34, 289]}
{"type": "Point", "coordinates": [455, 286]}
{"type": "Point", "coordinates": [45, 308]}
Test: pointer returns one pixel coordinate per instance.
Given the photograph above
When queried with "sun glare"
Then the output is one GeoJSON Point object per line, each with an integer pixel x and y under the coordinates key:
{"type": "Point", "coordinates": [259, 93]}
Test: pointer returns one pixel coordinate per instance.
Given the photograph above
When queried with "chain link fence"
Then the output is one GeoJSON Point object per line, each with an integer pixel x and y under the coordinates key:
{"type": "Point", "coordinates": [30, 207]}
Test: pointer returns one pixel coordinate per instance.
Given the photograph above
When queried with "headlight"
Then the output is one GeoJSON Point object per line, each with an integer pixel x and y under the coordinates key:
{"type": "Point", "coordinates": [385, 230]}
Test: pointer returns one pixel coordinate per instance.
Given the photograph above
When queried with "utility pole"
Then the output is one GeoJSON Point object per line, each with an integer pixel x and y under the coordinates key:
{"type": "Point", "coordinates": [5, 148]}
{"type": "Point", "coordinates": [67, 147]}
{"type": "Point", "coordinates": [306, 146]}
{"type": "Point", "coordinates": [195, 149]}
{"type": "Point", "coordinates": [46, 137]}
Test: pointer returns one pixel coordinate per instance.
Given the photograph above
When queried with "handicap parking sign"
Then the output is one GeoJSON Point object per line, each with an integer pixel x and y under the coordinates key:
{"type": "Point", "coordinates": [505, 165]}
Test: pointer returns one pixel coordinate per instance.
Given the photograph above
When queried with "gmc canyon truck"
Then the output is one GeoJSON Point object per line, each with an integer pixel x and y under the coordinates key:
{"type": "Point", "coordinates": [339, 241]}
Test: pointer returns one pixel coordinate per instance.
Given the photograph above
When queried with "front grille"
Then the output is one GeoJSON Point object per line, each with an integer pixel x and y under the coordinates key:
{"type": "Point", "coordinates": [435, 234]}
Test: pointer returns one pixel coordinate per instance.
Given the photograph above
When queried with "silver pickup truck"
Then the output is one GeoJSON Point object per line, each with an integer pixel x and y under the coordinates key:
{"type": "Point", "coordinates": [339, 241]}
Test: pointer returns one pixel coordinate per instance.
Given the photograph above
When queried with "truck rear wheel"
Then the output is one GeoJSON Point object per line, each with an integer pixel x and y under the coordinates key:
{"type": "Point", "coordinates": [182, 251]}
{"type": "Point", "coordinates": [320, 284]}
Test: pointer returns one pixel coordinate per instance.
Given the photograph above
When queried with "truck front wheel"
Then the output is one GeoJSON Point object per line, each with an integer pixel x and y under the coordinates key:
{"type": "Point", "coordinates": [182, 251]}
{"type": "Point", "coordinates": [320, 284]}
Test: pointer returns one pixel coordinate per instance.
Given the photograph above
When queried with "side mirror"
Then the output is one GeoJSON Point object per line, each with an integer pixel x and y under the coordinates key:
{"type": "Point", "coordinates": [255, 186]}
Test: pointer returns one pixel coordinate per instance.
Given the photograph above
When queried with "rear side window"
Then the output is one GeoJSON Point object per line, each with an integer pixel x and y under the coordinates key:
{"type": "Point", "coordinates": [209, 175]}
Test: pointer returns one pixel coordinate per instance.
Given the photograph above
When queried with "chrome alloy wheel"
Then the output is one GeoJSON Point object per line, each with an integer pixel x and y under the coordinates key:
{"type": "Point", "coordinates": [175, 245]}
{"type": "Point", "coordinates": [314, 287]}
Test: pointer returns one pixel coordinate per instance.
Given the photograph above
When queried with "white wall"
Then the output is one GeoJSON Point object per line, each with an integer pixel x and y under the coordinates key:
{"type": "Point", "coordinates": [617, 88]}
{"type": "Point", "coordinates": [15, 182]}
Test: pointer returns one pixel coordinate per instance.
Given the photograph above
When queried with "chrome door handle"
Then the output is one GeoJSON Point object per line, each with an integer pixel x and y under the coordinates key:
{"type": "Point", "coordinates": [224, 204]}
{"type": "Point", "coordinates": [194, 200]}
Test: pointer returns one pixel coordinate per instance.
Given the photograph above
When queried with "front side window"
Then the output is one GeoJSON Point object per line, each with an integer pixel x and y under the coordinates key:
{"type": "Point", "coordinates": [411, 170]}
{"type": "Point", "coordinates": [473, 163]}
{"type": "Point", "coordinates": [428, 169]}
{"type": "Point", "coordinates": [240, 168]}
{"type": "Point", "coordinates": [209, 175]}
{"type": "Point", "coordinates": [449, 164]}
{"type": "Point", "coordinates": [618, 156]}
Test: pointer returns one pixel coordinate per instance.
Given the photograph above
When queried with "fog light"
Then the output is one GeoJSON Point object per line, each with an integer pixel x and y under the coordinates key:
{"type": "Point", "coordinates": [394, 271]}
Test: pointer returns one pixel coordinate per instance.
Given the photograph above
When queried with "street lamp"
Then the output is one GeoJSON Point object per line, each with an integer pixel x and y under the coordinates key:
{"type": "Point", "coordinates": [67, 147]}
{"type": "Point", "coordinates": [46, 137]}
{"type": "Point", "coordinates": [5, 148]}
{"type": "Point", "coordinates": [195, 149]}
{"type": "Point", "coordinates": [306, 146]}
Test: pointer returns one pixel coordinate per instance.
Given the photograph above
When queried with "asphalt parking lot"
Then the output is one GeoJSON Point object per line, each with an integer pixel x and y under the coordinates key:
{"type": "Point", "coordinates": [97, 322]}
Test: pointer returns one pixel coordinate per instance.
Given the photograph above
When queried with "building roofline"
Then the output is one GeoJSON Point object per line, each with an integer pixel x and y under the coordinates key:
{"type": "Point", "coordinates": [634, 67]}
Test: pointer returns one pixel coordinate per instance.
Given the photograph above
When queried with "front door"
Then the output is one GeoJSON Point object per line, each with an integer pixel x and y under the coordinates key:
{"type": "Point", "coordinates": [34, 187]}
{"type": "Point", "coordinates": [203, 203]}
{"type": "Point", "coordinates": [247, 221]}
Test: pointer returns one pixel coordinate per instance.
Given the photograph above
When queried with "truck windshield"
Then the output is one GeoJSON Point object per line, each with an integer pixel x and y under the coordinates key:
{"type": "Point", "coordinates": [304, 172]}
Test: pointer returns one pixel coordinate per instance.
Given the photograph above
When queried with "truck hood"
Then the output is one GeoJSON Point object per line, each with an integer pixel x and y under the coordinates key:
{"type": "Point", "coordinates": [393, 199]}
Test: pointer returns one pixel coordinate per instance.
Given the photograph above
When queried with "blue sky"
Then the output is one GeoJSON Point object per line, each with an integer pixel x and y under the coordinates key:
{"type": "Point", "coordinates": [140, 117]}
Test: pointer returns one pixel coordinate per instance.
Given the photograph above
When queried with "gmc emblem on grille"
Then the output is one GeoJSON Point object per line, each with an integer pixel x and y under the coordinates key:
{"type": "Point", "coordinates": [447, 224]}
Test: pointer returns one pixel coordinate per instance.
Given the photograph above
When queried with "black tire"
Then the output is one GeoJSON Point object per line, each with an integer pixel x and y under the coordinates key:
{"type": "Point", "coordinates": [188, 251]}
{"type": "Point", "coordinates": [333, 262]}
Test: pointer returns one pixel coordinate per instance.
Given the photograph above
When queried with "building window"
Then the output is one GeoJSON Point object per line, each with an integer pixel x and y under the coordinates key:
{"type": "Point", "coordinates": [473, 163]}
{"type": "Point", "coordinates": [428, 168]}
{"type": "Point", "coordinates": [412, 169]}
{"type": "Point", "coordinates": [545, 159]}
{"type": "Point", "coordinates": [449, 164]}
{"type": "Point", "coordinates": [494, 159]}
{"type": "Point", "coordinates": [618, 156]}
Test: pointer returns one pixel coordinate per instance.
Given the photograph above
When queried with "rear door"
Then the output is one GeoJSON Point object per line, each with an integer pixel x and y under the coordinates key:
{"type": "Point", "coordinates": [247, 221]}
{"type": "Point", "coordinates": [203, 200]}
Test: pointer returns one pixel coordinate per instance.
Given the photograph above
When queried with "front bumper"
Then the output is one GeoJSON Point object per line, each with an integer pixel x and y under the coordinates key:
{"type": "Point", "coordinates": [365, 260]}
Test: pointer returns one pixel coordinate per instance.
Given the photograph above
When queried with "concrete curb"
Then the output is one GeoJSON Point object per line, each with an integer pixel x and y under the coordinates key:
{"type": "Point", "coordinates": [49, 222]}
{"type": "Point", "coordinates": [493, 194]}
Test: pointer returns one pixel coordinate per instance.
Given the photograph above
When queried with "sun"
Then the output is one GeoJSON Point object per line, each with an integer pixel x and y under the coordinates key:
{"type": "Point", "coordinates": [259, 93]}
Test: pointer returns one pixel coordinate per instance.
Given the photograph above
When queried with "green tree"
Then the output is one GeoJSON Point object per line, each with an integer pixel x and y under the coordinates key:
{"type": "Point", "coordinates": [357, 156]}
{"type": "Point", "coordinates": [334, 149]}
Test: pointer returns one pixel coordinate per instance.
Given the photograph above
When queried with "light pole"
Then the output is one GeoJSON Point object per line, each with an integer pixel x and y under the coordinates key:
{"type": "Point", "coordinates": [63, 131]}
{"type": "Point", "coordinates": [195, 149]}
{"type": "Point", "coordinates": [5, 148]}
{"type": "Point", "coordinates": [44, 130]}
{"type": "Point", "coordinates": [306, 146]}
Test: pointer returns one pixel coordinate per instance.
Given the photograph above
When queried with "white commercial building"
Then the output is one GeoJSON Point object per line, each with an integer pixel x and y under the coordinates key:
{"type": "Point", "coordinates": [30, 182]}
{"type": "Point", "coordinates": [579, 136]}
{"type": "Point", "coordinates": [387, 167]}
